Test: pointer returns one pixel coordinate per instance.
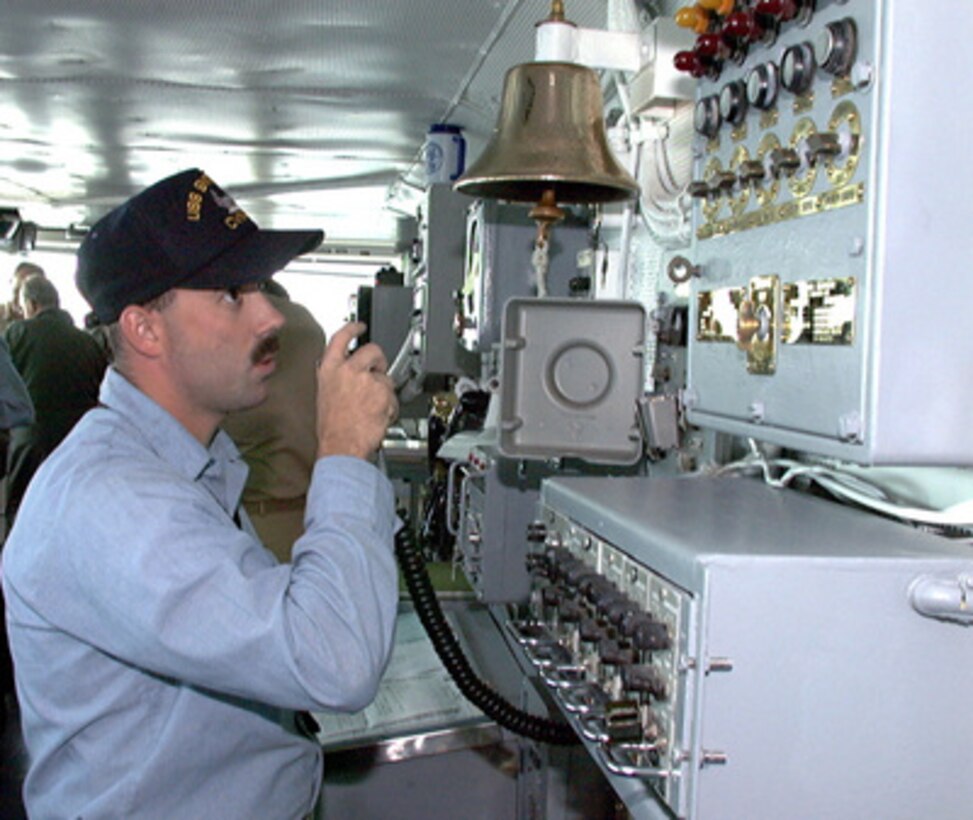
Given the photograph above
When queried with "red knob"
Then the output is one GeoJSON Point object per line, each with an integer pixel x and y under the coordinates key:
{"type": "Point", "coordinates": [780, 9]}
{"type": "Point", "coordinates": [689, 62]}
{"type": "Point", "coordinates": [709, 45]}
{"type": "Point", "coordinates": [742, 26]}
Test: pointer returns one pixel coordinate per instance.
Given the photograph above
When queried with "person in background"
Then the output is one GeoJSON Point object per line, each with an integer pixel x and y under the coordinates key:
{"type": "Point", "coordinates": [164, 659]}
{"type": "Point", "coordinates": [15, 405]}
{"type": "Point", "coordinates": [11, 311]}
{"type": "Point", "coordinates": [99, 332]}
{"type": "Point", "coordinates": [62, 368]}
{"type": "Point", "coordinates": [277, 438]}
{"type": "Point", "coordinates": [16, 410]}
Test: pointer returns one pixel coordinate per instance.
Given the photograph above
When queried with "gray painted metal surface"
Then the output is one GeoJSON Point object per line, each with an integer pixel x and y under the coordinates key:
{"type": "Point", "coordinates": [897, 394]}
{"type": "Point", "coordinates": [841, 700]}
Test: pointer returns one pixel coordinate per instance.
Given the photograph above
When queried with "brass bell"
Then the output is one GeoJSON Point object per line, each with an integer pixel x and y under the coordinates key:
{"type": "Point", "coordinates": [550, 136]}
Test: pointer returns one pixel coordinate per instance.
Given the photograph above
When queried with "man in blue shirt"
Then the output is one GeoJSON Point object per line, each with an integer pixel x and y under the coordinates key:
{"type": "Point", "coordinates": [161, 652]}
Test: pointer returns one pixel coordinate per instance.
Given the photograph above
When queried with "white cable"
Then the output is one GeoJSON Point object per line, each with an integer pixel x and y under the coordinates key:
{"type": "Point", "coordinates": [849, 487]}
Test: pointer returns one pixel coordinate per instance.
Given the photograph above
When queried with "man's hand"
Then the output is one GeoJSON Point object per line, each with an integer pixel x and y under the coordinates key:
{"type": "Point", "coordinates": [356, 399]}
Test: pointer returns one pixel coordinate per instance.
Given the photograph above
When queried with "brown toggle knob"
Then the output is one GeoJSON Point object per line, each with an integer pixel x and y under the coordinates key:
{"type": "Point", "coordinates": [724, 181]}
{"type": "Point", "coordinates": [651, 636]}
{"type": "Point", "coordinates": [823, 146]}
{"type": "Point", "coordinates": [752, 170]}
{"type": "Point", "coordinates": [784, 160]}
{"type": "Point", "coordinates": [699, 189]}
{"type": "Point", "coordinates": [645, 678]}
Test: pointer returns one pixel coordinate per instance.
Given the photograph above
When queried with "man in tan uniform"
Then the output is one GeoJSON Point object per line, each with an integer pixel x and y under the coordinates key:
{"type": "Point", "coordinates": [277, 438]}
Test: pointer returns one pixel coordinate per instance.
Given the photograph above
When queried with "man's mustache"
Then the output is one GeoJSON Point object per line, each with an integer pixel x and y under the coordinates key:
{"type": "Point", "coordinates": [267, 347]}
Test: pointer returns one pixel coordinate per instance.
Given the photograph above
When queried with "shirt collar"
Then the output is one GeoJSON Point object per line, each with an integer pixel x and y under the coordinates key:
{"type": "Point", "coordinates": [219, 466]}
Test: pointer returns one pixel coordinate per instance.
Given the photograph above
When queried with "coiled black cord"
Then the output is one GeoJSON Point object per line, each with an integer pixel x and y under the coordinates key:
{"type": "Point", "coordinates": [476, 691]}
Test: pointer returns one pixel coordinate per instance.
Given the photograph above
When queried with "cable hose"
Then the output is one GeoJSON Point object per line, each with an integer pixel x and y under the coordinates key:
{"type": "Point", "coordinates": [474, 689]}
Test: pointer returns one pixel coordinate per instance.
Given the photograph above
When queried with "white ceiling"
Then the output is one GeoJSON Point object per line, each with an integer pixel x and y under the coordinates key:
{"type": "Point", "coordinates": [305, 110]}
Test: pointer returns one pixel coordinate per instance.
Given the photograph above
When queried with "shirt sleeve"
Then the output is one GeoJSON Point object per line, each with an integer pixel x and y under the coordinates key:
{"type": "Point", "coordinates": [154, 573]}
{"type": "Point", "coordinates": [16, 408]}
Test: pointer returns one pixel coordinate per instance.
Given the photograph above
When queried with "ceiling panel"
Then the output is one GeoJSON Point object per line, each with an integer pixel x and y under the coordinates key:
{"type": "Point", "coordinates": [306, 111]}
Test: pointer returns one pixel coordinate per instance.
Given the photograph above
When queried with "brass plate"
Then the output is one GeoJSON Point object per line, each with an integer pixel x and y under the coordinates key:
{"type": "Point", "coordinates": [841, 87]}
{"type": "Point", "coordinates": [739, 133]}
{"type": "Point", "coordinates": [819, 312]}
{"type": "Point", "coordinates": [769, 118]}
{"type": "Point", "coordinates": [758, 323]}
{"type": "Point", "coordinates": [771, 214]}
{"type": "Point", "coordinates": [747, 316]}
{"type": "Point", "coordinates": [803, 103]}
{"type": "Point", "coordinates": [716, 312]}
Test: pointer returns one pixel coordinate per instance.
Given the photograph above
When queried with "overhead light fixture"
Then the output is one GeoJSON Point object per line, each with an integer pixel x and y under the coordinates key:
{"type": "Point", "coordinates": [10, 226]}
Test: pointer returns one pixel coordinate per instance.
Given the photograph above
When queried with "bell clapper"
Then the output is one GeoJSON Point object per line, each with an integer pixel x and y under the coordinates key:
{"type": "Point", "coordinates": [545, 213]}
{"type": "Point", "coordinates": [542, 263]}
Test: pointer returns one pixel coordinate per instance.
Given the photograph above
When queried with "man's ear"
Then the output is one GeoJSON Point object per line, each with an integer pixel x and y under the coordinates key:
{"type": "Point", "coordinates": [141, 330]}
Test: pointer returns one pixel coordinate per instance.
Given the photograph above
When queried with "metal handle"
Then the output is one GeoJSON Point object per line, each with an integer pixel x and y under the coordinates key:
{"type": "Point", "coordinates": [944, 598]}
{"type": "Point", "coordinates": [463, 496]}
{"type": "Point", "coordinates": [451, 528]}
{"type": "Point", "coordinates": [607, 755]}
{"type": "Point", "coordinates": [530, 633]}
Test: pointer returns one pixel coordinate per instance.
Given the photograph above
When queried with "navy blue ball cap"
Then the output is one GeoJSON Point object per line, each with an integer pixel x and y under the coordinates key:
{"type": "Point", "coordinates": [182, 232]}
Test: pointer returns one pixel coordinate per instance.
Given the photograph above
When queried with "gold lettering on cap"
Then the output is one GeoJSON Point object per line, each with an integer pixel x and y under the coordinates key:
{"type": "Point", "coordinates": [235, 220]}
{"type": "Point", "coordinates": [194, 200]}
{"type": "Point", "coordinates": [194, 205]}
{"type": "Point", "coordinates": [235, 216]}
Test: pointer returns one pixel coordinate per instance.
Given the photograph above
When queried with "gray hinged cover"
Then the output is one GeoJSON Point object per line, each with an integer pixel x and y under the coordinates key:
{"type": "Point", "coordinates": [571, 372]}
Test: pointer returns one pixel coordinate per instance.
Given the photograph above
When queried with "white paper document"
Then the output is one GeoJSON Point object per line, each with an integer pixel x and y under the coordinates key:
{"type": "Point", "coordinates": [416, 695]}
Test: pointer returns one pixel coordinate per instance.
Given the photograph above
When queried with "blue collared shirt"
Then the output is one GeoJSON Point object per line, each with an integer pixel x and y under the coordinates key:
{"type": "Point", "coordinates": [159, 648]}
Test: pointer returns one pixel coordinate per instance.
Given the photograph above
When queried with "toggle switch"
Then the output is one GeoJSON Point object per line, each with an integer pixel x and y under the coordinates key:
{"type": "Point", "coordinates": [645, 678]}
{"type": "Point", "coordinates": [699, 189]}
{"type": "Point", "coordinates": [613, 654]}
{"type": "Point", "coordinates": [783, 161]}
{"type": "Point", "coordinates": [752, 171]}
{"type": "Point", "coordinates": [724, 181]}
{"type": "Point", "coordinates": [822, 146]}
{"type": "Point", "coordinates": [651, 636]}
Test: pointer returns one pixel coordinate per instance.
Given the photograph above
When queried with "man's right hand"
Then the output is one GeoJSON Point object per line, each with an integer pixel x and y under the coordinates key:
{"type": "Point", "coordinates": [356, 399]}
